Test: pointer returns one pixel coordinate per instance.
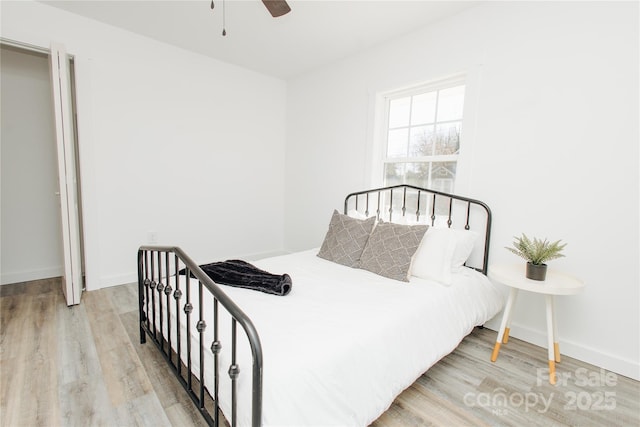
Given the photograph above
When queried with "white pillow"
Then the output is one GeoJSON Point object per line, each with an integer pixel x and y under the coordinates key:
{"type": "Point", "coordinates": [434, 256]}
{"type": "Point", "coordinates": [442, 251]}
{"type": "Point", "coordinates": [465, 242]}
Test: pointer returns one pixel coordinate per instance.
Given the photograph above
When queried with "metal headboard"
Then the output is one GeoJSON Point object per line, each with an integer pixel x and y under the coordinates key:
{"type": "Point", "coordinates": [422, 205]}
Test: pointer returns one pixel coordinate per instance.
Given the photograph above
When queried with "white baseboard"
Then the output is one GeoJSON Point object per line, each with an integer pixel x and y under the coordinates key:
{"type": "Point", "coordinates": [116, 280]}
{"type": "Point", "coordinates": [601, 359]}
{"type": "Point", "coordinates": [27, 276]}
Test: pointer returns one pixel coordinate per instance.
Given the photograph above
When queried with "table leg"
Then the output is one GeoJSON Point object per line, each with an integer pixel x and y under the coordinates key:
{"type": "Point", "coordinates": [556, 345]}
{"type": "Point", "coordinates": [506, 321]}
{"type": "Point", "coordinates": [551, 338]}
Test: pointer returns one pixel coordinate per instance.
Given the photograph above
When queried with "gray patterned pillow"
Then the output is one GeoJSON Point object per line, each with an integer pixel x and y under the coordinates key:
{"type": "Point", "coordinates": [346, 239]}
{"type": "Point", "coordinates": [390, 249]}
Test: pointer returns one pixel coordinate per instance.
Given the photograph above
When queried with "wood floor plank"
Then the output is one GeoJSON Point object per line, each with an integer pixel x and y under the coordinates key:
{"type": "Point", "coordinates": [162, 378]}
{"type": "Point", "coordinates": [443, 411]}
{"type": "Point", "coordinates": [123, 372]}
{"type": "Point", "coordinates": [124, 375]}
{"type": "Point", "coordinates": [396, 416]}
{"type": "Point", "coordinates": [77, 354]}
{"type": "Point", "coordinates": [86, 402]}
{"type": "Point", "coordinates": [142, 411]}
{"type": "Point", "coordinates": [420, 402]}
{"type": "Point", "coordinates": [13, 329]}
{"type": "Point", "coordinates": [42, 362]}
{"type": "Point", "coordinates": [124, 299]}
{"type": "Point", "coordinates": [180, 414]}
{"type": "Point", "coordinates": [32, 395]}
{"type": "Point", "coordinates": [35, 287]}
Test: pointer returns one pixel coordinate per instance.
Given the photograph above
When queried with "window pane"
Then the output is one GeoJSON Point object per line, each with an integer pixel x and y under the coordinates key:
{"type": "Point", "coordinates": [450, 104]}
{"type": "Point", "coordinates": [397, 143]}
{"type": "Point", "coordinates": [447, 139]}
{"type": "Point", "coordinates": [443, 175]}
{"type": "Point", "coordinates": [421, 141]}
{"type": "Point", "coordinates": [399, 112]}
{"type": "Point", "coordinates": [393, 173]}
{"type": "Point", "coordinates": [423, 109]}
{"type": "Point", "coordinates": [417, 174]}
{"type": "Point", "coordinates": [434, 175]}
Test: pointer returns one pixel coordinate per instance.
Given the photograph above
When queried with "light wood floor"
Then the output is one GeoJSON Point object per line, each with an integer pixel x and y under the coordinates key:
{"type": "Point", "coordinates": [84, 366]}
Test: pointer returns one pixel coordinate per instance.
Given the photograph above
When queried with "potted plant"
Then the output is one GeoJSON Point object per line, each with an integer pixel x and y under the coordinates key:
{"type": "Point", "coordinates": [536, 252]}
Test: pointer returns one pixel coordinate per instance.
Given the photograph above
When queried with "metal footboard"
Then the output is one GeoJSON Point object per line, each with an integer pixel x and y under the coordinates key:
{"type": "Point", "coordinates": [156, 264]}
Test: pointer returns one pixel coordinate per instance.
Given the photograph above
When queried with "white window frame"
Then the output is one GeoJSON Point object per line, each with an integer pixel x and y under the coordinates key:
{"type": "Point", "coordinates": [381, 122]}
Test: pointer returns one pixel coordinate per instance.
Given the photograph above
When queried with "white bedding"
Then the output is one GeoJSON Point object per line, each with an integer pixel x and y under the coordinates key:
{"type": "Point", "coordinates": [345, 342]}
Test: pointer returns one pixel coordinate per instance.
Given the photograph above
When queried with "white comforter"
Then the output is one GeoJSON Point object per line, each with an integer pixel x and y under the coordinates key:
{"type": "Point", "coordinates": [345, 342]}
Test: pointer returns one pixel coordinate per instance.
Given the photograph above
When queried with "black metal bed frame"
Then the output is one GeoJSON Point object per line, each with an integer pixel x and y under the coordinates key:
{"type": "Point", "coordinates": [156, 264]}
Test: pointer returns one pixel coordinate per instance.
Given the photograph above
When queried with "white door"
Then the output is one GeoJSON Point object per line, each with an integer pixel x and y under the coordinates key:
{"type": "Point", "coordinates": [61, 82]}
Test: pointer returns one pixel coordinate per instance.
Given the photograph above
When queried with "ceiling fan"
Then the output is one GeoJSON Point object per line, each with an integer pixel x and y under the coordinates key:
{"type": "Point", "coordinates": [275, 7]}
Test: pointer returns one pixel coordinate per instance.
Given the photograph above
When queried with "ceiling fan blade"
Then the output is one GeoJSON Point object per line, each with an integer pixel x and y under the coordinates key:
{"type": "Point", "coordinates": [277, 7]}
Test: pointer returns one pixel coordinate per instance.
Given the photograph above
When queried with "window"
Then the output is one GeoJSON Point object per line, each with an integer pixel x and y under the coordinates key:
{"type": "Point", "coordinates": [423, 127]}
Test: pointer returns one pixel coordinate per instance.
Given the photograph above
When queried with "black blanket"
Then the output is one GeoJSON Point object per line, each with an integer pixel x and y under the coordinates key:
{"type": "Point", "coordinates": [241, 274]}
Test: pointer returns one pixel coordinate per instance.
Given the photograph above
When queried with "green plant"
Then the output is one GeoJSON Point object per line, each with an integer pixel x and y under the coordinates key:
{"type": "Point", "coordinates": [536, 251]}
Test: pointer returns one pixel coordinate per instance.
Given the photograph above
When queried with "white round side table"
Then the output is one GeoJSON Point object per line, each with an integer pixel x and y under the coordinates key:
{"type": "Point", "coordinates": [556, 283]}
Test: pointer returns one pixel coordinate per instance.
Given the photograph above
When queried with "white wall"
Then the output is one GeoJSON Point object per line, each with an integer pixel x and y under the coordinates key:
{"type": "Point", "coordinates": [170, 142]}
{"type": "Point", "coordinates": [31, 231]}
{"type": "Point", "coordinates": [553, 149]}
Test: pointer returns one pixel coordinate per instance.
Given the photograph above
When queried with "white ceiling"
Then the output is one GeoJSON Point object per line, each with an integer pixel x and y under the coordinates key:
{"type": "Point", "coordinates": [313, 34]}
